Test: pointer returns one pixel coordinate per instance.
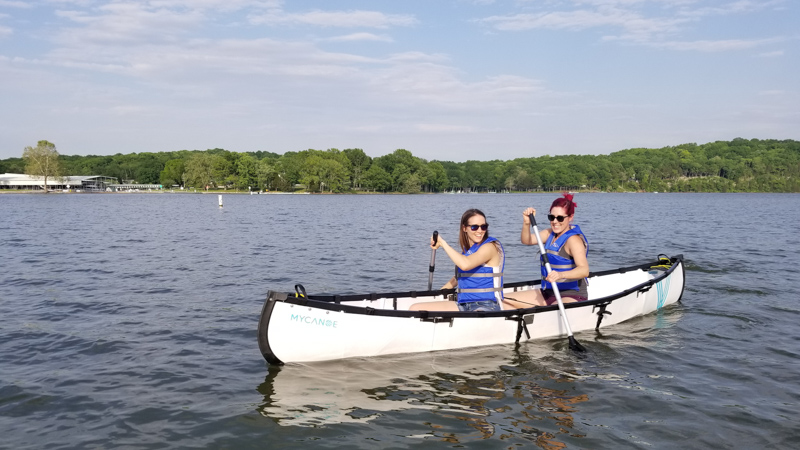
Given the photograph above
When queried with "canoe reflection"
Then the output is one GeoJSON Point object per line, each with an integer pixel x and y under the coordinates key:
{"type": "Point", "coordinates": [494, 387]}
{"type": "Point", "coordinates": [534, 393]}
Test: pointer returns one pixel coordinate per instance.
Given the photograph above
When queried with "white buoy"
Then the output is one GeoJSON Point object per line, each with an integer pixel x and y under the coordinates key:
{"type": "Point", "coordinates": [220, 200]}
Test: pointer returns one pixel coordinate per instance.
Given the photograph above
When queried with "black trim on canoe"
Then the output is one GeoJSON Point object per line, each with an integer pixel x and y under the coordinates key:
{"type": "Point", "coordinates": [263, 322]}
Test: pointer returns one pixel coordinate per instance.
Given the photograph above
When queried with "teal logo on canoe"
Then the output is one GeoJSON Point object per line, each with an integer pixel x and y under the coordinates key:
{"type": "Point", "coordinates": [311, 320]}
{"type": "Point", "coordinates": [662, 287]}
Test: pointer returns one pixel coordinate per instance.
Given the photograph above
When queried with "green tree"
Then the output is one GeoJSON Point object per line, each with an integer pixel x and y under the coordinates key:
{"type": "Point", "coordinates": [224, 173]}
{"type": "Point", "coordinates": [400, 174]}
{"type": "Point", "coordinates": [740, 165]}
{"type": "Point", "coordinates": [377, 179]}
{"type": "Point", "coordinates": [42, 161]}
{"type": "Point", "coordinates": [173, 172]}
{"type": "Point", "coordinates": [412, 184]}
{"type": "Point", "coordinates": [320, 173]}
{"type": "Point", "coordinates": [266, 172]}
{"type": "Point", "coordinates": [147, 168]}
{"type": "Point", "coordinates": [359, 163]}
{"type": "Point", "coordinates": [438, 176]}
{"type": "Point", "coordinates": [13, 165]}
{"type": "Point", "coordinates": [201, 170]}
{"type": "Point", "coordinates": [247, 171]}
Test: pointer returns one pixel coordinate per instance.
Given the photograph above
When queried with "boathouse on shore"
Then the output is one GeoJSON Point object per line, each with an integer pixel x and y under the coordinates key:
{"type": "Point", "coordinates": [92, 183]}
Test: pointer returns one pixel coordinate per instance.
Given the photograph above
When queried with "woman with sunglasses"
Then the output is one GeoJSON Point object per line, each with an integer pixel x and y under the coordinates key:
{"type": "Point", "coordinates": [479, 268]}
{"type": "Point", "coordinates": [566, 247]}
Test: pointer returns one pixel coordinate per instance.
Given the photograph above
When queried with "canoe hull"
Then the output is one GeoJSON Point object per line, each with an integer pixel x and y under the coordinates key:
{"type": "Point", "coordinates": [297, 329]}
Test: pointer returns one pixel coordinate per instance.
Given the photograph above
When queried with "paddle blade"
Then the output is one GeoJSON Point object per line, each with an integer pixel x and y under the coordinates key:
{"type": "Point", "coordinates": [575, 345]}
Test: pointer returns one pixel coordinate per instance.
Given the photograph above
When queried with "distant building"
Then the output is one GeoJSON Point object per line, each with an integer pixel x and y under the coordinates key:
{"type": "Point", "coordinates": [132, 187]}
{"type": "Point", "coordinates": [92, 183]}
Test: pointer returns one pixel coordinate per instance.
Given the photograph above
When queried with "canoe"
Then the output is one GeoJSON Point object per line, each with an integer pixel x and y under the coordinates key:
{"type": "Point", "coordinates": [299, 327]}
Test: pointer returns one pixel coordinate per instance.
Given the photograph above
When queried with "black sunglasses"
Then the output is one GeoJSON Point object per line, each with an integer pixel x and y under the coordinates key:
{"type": "Point", "coordinates": [551, 218]}
{"type": "Point", "coordinates": [483, 227]}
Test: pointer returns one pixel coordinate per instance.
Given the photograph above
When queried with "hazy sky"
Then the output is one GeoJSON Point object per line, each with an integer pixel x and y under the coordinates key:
{"type": "Point", "coordinates": [444, 79]}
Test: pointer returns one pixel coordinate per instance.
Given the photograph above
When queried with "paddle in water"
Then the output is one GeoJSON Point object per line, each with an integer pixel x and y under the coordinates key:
{"type": "Point", "coordinates": [433, 261]}
{"type": "Point", "coordinates": [573, 344]}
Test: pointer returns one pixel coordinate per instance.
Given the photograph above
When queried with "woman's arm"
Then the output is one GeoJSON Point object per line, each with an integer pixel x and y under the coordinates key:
{"type": "Point", "coordinates": [577, 250]}
{"type": "Point", "coordinates": [451, 283]}
{"type": "Point", "coordinates": [525, 236]}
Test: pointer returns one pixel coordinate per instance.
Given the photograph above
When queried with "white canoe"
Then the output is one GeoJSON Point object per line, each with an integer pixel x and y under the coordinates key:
{"type": "Point", "coordinates": [295, 327]}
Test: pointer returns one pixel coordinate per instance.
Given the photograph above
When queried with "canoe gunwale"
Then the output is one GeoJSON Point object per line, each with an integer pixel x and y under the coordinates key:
{"type": "Point", "coordinates": [334, 302]}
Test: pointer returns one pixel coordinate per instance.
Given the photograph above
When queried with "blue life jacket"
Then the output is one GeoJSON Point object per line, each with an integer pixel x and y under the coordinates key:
{"type": "Point", "coordinates": [560, 263]}
{"type": "Point", "coordinates": [481, 283]}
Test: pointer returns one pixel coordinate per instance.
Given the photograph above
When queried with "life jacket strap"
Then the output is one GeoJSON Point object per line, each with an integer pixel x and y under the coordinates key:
{"type": "Point", "coordinates": [478, 291]}
{"type": "Point", "coordinates": [479, 275]}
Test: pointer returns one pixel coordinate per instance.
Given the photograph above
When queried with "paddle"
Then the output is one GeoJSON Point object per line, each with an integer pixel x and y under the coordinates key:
{"type": "Point", "coordinates": [433, 260]}
{"type": "Point", "coordinates": [573, 344]}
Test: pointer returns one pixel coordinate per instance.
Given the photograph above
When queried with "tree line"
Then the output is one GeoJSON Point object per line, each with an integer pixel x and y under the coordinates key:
{"type": "Point", "coordinates": [740, 165]}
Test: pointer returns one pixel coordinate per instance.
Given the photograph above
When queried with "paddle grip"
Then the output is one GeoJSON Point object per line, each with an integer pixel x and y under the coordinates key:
{"type": "Point", "coordinates": [433, 254]}
{"type": "Point", "coordinates": [539, 241]}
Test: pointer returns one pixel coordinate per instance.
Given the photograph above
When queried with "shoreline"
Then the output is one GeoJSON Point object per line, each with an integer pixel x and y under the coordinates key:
{"type": "Point", "coordinates": [39, 192]}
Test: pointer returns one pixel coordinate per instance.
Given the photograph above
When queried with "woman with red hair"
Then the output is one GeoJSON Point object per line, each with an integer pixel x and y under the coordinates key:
{"type": "Point", "coordinates": [566, 247]}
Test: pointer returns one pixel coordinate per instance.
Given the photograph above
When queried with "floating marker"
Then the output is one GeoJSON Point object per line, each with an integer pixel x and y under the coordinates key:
{"type": "Point", "coordinates": [220, 200]}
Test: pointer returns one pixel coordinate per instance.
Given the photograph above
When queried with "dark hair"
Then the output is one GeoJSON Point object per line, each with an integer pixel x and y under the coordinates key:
{"type": "Point", "coordinates": [566, 203]}
{"type": "Point", "coordinates": [463, 240]}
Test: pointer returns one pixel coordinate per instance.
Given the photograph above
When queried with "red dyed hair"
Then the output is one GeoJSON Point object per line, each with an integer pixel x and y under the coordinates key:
{"type": "Point", "coordinates": [566, 203]}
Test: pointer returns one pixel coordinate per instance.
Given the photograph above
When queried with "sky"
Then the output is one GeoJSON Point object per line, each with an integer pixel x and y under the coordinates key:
{"type": "Point", "coordinates": [452, 80]}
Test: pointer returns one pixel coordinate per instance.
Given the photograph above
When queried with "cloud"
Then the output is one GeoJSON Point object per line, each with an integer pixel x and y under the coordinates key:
{"type": "Point", "coordinates": [716, 46]}
{"type": "Point", "coordinates": [342, 19]}
{"type": "Point", "coordinates": [82, 3]}
{"type": "Point", "coordinates": [632, 23]}
{"type": "Point", "coordinates": [129, 23]}
{"type": "Point", "coordinates": [737, 7]}
{"type": "Point", "coordinates": [225, 5]}
{"type": "Point", "coordinates": [444, 128]}
{"type": "Point", "coordinates": [15, 4]}
{"type": "Point", "coordinates": [637, 21]}
{"type": "Point", "coordinates": [417, 57]}
{"type": "Point", "coordinates": [360, 37]}
{"type": "Point", "coordinates": [773, 54]}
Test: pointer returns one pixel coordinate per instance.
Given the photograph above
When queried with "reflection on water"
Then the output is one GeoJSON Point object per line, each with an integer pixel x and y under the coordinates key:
{"type": "Point", "coordinates": [493, 390]}
{"type": "Point", "coordinates": [532, 391]}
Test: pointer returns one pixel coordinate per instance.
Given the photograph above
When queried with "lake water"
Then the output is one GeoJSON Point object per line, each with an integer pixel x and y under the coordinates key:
{"type": "Point", "coordinates": [129, 321]}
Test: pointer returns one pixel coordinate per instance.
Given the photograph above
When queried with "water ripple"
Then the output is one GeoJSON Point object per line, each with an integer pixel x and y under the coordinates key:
{"type": "Point", "coordinates": [141, 333]}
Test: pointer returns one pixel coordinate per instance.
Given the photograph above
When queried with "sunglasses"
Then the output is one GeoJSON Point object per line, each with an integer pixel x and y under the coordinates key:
{"type": "Point", "coordinates": [551, 218]}
{"type": "Point", "coordinates": [483, 227]}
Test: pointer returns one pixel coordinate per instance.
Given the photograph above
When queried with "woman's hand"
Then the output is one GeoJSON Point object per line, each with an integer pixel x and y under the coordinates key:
{"type": "Point", "coordinates": [525, 236]}
{"type": "Point", "coordinates": [526, 220]}
{"type": "Point", "coordinates": [555, 276]}
{"type": "Point", "coordinates": [438, 243]}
